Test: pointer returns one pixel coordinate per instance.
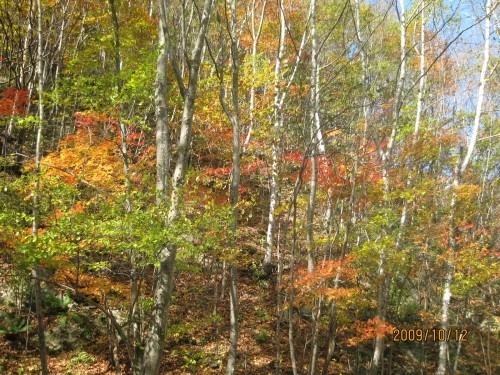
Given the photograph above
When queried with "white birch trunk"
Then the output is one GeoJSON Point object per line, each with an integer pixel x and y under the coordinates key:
{"type": "Point", "coordinates": [418, 117]}
{"type": "Point", "coordinates": [459, 173]}
{"type": "Point", "coordinates": [277, 117]}
{"type": "Point", "coordinates": [421, 82]}
{"type": "Point", "coordinates": [36, 191]}
{"type": "Point", "coordinates": [162, 129]}
{"type": "Point", "coordinates": [279, 100]}
{"type": "Point", "coordinates": [317, 147]}
{"type": "Point", "coordinates": [317, 144]}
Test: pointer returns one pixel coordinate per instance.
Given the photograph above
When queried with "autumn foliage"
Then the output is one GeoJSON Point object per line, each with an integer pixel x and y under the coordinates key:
{"type": "Point", "coordinates": [324, 265]}
{"type": "Point", "coordinates": [14, 102]}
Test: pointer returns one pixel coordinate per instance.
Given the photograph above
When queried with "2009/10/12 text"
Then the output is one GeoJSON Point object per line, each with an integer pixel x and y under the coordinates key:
{"type": "Point", "coordinates": [432, 334]}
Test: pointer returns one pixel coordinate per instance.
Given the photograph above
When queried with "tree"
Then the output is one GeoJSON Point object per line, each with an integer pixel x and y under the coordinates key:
{"type": "Point", "coordinates": [280, 95]}
{"type": "Point", "coordinates": [162, 129]}
{"type": "Point", "coordinates": [164, 280]}
{"type": "Point", "coordinates": [36, 192]}
{"type": "Point", "coordinates": [457, 179]}
{"type": "Point", "coordinates": [234, 117]}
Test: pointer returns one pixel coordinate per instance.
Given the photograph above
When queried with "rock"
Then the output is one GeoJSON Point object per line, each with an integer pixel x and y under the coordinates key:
{"type": "Point", "coordinates": [214, 365]}
{"type": "Point", "coordinates": [64, 337]}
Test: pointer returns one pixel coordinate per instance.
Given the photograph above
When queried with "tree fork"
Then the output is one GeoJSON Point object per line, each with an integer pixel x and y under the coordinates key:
{"type": "Point", "coordinates": [153, 350]}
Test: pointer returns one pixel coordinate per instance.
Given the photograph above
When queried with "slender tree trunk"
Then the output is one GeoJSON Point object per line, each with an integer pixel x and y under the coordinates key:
{"type": "Point", "coordinates": [162, 129]}
{"type": "Point", "coordinates": [113, 340]}
{"type": "Point", "coordinates": [36, 194]}
{"type": "Point", "coordinates": [59, 66]}
{"type": "Point", "coordinates": [386, 156]}
{"type": "Point", "coordinates": [291, 211]}
{"type": "Point", "coordinates": [29, 34]}
{"type": "Point", "coordinates": [315, 94]}
{"type": "Point", "coordinates": [421, 81]}
{"type": "Point", "coordinates": [459, 344]}
{"type": "Point", "coordinates": [153, 350]}
{"type": "Point", "coordinates": [332, 315]}
{"type": "Point", "coordinates": [315, 315]}
{"type": "Point", "coordinates": [187, 117]}
{"type": "Point", "coordinates": [310, 214]}
{"type": "Point", "coordinates": [233, 321]}
{"type": "Point", "coordinates": [255, 42]}
{"type": "Point", "coordinates": [418, 118]}
{"type": "Point", "coordinates": [279, 100]}
{"type": "Point", "coordinates": [318, 146]}
{"type": "Point", "coordinates": [291, 296]}
{"type": "Point", "coordinates": [364, 66]}
{"type": "Point", "coordinates": [482, 85]}
{"type": "Point", "coordinates": [119, 86]}
{"type": "Point", "coordinates": [459, 173]}
{"type": "Point", "coordinates": [134, 318]}
{"type": "Point", "coordinates": [234, 117]}
{"type": "Point", "coordinates": [448, 279]}
{"type": "Point", "coordinates": [24, 74]}
{"type": "Point", "coordinates": [317, 143]}
{"type": "Point", "coordinates": [277, 116]}
{"type": "Point", "coordinates": [153, 353]}
{"type": "Point", "coordinates": [333, 306]}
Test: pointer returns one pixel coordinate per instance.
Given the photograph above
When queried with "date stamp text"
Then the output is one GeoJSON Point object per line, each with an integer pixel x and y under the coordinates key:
{"type": "Point", "coordinates": [429, 334]}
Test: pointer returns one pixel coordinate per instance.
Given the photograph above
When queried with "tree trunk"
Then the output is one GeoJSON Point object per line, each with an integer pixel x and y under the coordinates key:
{"type": "Point", "coordinates": [421, 80]}
{"type": "Point", "coordinates": [162, 129]}
{"type": "Point", "coordinates": [36, 191]}
{"type": "Point", "coordinates": [311, 205]}
{"type": "Point", "coordinates": [255, 41]}
{"type": "Point", "coordinates": [279, 100]}
{"type": "Point", "coordinates": [153, 350]}
{"type": "Point", "coordinates": [134, 318]}
{"type": "Point", "coordinates": [277, 115]}
{"type": "Point", "coordinates": [291, 296]}
{"type": "Point", "coordinates": [233, 321]}
{"type": "Point", "coordinates": [459, 173]}
{"type": "Point", "coordinates": [386, 156]}
{"type": "Point", "coordinates": [315, 97]}
{"type": "Point", "coordinates": [234, 117]}
{"type": "Point", "coordinates": [316, 147]}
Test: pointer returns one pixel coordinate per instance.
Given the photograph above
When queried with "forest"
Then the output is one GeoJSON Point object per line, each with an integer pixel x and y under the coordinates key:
{"type": "Point", "coordinates": [303, 187]}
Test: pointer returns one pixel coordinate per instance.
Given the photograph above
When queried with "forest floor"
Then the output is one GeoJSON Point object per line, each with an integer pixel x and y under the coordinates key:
{"type": "Point", "coordinates": [197, 342]}
{"type": "Point", "coordinates": [198, 339]}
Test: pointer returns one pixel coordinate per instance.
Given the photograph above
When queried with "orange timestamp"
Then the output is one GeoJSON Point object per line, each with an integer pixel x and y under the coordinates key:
{"type": "Point", "coordinates": [429, 334]}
